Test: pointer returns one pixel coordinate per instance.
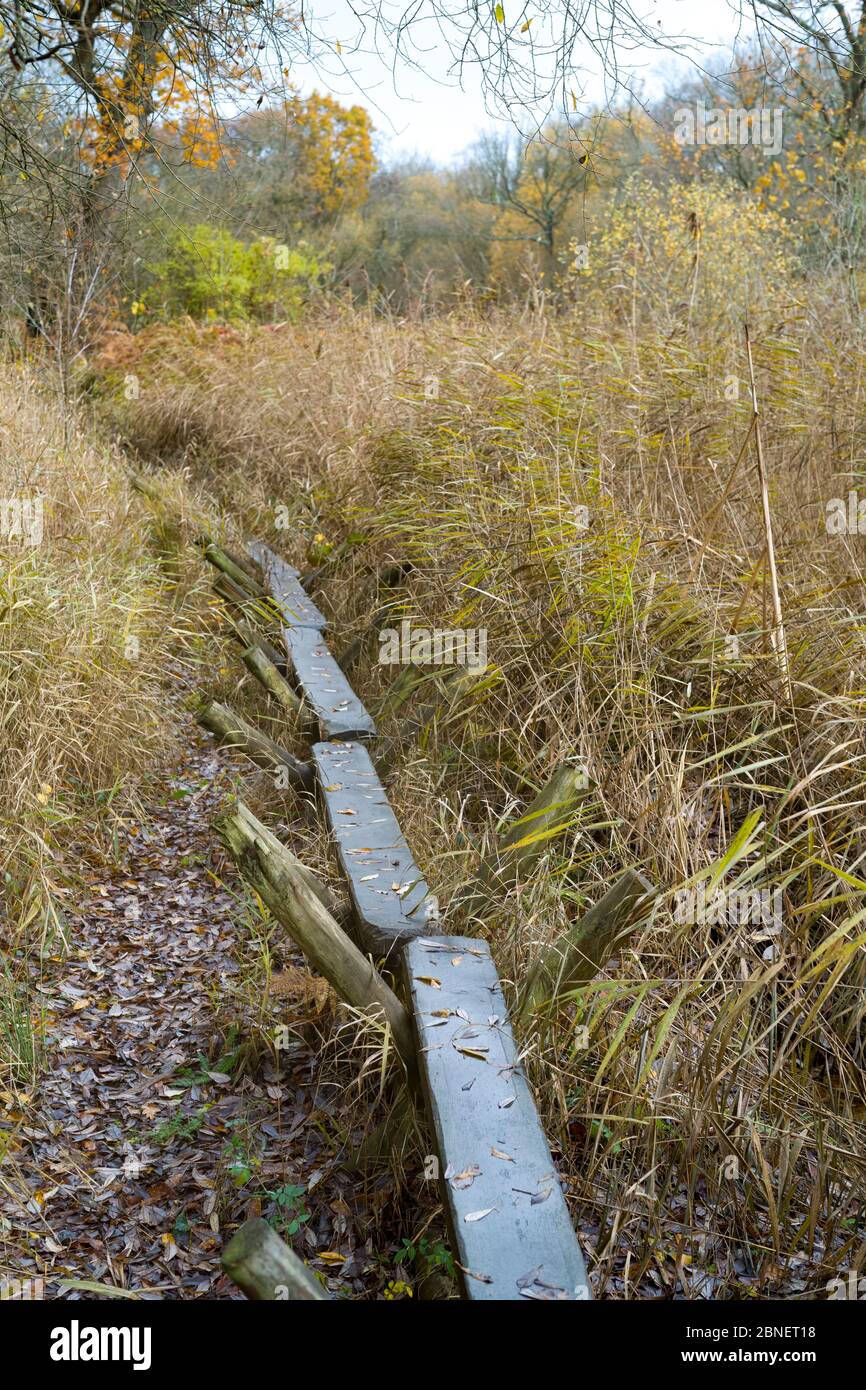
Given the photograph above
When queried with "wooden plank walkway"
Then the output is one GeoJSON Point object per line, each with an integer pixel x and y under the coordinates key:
{"type": "Point", "coordinates": [387, 887]}
{"type": "Point", "coordinates": [284, 585]}
{"type": "Point", "coordinates": [511, 1233]}
{"type": "Point", "coordinates": [326, 690]}
{"type": "Point", "coordinates": [333, 701]}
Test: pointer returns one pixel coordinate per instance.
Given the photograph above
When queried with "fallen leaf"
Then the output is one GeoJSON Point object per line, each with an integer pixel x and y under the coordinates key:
{"type": "Point", "coordinates": [538, 1197]}
{"type": "Point", "coordinates": [466, 1178]}
{"type": "Point", "coordinates": [478, 1215]}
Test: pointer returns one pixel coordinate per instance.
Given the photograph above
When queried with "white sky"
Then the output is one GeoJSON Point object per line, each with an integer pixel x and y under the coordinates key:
{"type": "Point", "coordinates": [427, 112]}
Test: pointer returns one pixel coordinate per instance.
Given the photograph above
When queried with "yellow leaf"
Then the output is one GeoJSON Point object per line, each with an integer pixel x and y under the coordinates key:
{"type": "Point", "coordinates": [500, 14]}
{"type": "Point", "coordinates": [524, 27]}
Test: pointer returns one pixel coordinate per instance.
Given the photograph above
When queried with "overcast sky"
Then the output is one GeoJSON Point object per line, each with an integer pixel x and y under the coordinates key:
{"type": "Point", "coordinates": [427, 112]}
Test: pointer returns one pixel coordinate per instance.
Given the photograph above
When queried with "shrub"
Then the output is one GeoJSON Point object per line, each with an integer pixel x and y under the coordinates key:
{"type": "Point", "coordinates": [709, 253]}
{"type": "Point", "coordinates": [209, 274]}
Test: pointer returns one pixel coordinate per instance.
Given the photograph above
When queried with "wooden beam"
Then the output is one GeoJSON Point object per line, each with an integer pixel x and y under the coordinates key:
{"type": "Point", "coordinates": [333, 701]}
{"type": "Point", "coordinates": [387, 888]}
{"type": "Point", "coordinates": [335, 704]}
{"type": "Point", "coordinates": [511, 1234]}
{"type": "Point", "coordinates": [266, 1269]}
{"type": "Point", "coordinates": [284, 585]}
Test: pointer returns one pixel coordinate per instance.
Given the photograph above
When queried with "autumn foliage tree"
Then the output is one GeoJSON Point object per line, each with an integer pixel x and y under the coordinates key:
{"type": "Point", "coordinates": [814, 173]}
{"type": "Point", "coordinates": [295, 165]}
{"type": "Point", "coordinates": [122, 70]}
{"type": "Point", "coordinates": [534, 187]}
{"type": "Point", "coordinates": [332, 155]}
{"type": "Point", "coordinates": [125, 80]}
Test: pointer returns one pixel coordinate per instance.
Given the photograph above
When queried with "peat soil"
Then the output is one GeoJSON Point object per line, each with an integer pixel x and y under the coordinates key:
{"type": "Point", "coordinates": [155, 1128]}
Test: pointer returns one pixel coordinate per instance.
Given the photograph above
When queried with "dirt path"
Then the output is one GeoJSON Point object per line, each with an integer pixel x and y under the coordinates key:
{"type": "Point", "coordinates": [142, 1147]}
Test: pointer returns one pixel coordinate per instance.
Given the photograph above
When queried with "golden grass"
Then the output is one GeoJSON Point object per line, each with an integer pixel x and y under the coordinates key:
{"type": "Point", "coordinates": [90, 618]}
{"type": "Point", "coordinates": [707, 1093]}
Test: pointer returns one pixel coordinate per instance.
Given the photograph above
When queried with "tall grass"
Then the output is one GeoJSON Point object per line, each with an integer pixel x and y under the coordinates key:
{"type": "Point", "coordinates": [90, 618]}
{"type": "Point", "coordinates": [707, 1091]}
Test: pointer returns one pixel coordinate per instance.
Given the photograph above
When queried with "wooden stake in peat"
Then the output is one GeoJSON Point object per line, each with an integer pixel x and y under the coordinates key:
{"type": "Point", "coordinates": [233, 730]}
{"type": "Point", "coordinates": [275, 877]}
{"type": "Point", "coordinates": [340, 909]}
{"type": "Point", "coordinates": [581, 952]}
{"type": "Point", "coordinates": [777, 634]}
{"type": "Point", "coordinates": [266, 1269]}
{"type": "Point", "coordinates": [259, 665]}
{"type": "Point", "coordinates": [249, 636]}
{"type": "Point", "coordinates": [526, 839]}
{"type": "Point", "coordinates": [221, 560]}
{"type": "Point", "coordinates": [276, 846]}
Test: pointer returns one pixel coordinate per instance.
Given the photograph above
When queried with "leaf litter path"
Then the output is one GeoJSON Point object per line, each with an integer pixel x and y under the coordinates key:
{"type": "Point", "coordinates": [145, 1143]}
